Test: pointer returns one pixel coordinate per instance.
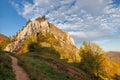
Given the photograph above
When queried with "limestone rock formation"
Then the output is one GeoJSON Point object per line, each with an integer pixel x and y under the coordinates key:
{"type": "Point", "coordinates": [66, 45]}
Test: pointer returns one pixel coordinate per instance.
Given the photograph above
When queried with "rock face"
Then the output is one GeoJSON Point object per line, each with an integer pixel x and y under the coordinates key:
{"type": "Point", "coordinates": [66, 45]}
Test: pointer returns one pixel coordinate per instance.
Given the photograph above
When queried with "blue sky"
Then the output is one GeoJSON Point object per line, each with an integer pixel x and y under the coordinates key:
{"type": "Point", "coordinates": [92, 20]}
{"type": "Point", "coordinates": [10, 20]}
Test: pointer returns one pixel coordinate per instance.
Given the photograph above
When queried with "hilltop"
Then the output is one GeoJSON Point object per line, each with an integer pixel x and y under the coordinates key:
{"type": "Point", "coordinates": [45, 34]}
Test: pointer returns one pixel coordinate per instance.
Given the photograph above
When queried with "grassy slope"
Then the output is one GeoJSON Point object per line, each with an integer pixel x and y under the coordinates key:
{"type": "Point", "coordinates": [39, 70]}
{"type": "Point", "coordinates": [45, 65]}
{"type": "Point", "coordinates": [6, 72]}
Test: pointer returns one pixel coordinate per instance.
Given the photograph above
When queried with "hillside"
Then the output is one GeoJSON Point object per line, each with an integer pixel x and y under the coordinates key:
{"type": "Point", "coordinates": [114, 56]}
{"type": "Point", "coordinates": [45, 34]}
{"type": "Point", "coordinates": [38, 65]}
{"type": "Point", "coordinates": [45, 65]}
{"type": "Point", "coordinates": [48, 53]}
{"type": "Point", "coordinates": [3, 38]}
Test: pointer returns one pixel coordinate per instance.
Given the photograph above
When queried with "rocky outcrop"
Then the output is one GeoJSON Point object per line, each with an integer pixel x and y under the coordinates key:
{"type": "Point", "coordinates": [66, 45]}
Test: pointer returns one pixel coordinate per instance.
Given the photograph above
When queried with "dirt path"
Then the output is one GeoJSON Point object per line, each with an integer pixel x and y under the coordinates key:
{"type": "Point", "coordinates": [19, 72]}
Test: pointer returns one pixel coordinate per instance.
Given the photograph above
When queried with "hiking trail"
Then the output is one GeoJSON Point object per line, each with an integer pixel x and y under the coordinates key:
{"type": "Point", "coordinates": [20, 74]}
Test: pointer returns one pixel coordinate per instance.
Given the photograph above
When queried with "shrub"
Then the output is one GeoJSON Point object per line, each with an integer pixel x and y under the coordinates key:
{"type": "Point", "coordinates": [33, 46]}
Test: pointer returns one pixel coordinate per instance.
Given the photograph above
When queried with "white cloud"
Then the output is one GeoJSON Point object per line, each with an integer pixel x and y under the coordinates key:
{"type": "Point", "coordinates": [83, 19]}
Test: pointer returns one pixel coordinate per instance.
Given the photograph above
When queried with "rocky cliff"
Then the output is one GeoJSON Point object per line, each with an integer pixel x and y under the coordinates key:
{"type": "Point", "coordinates": [65, 44]}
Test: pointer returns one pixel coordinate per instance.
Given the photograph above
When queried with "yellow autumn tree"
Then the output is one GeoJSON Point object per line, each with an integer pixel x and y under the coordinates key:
{"type": "Point", "coordinates": [93, 60]}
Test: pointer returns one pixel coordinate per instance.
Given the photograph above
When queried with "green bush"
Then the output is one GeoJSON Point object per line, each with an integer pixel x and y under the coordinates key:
{"type": "Point", "coordinates": [33, 46]}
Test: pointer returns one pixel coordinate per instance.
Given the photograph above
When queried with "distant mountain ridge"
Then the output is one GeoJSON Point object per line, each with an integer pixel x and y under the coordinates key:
{"type": "Point", "coordinates": [3, 38]}
{"type": "Point", "coordinates": [114, 56]}
{"type": "Point", "coordinates": [62, 41]}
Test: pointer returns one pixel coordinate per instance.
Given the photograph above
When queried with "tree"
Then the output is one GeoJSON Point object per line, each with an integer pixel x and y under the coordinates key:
{"type": "Point", "coordinates": [93, 59]}
{"type": "Point", "coordinates": [31, 42]}
{"type": "Point", "coordinates": [43, 18]}
{"type": "Point", "coordinates": [33, 46]}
